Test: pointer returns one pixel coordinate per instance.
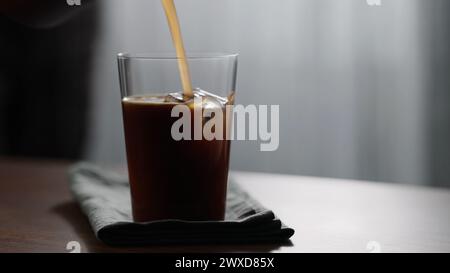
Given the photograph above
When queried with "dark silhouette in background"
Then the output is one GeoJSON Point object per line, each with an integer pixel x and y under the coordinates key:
{"type": "Point", "coordinates": [44, 77]}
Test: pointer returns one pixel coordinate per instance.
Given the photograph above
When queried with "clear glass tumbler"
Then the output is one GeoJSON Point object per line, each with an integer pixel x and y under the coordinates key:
{"type": "Point", "coordinates": [172, 178]}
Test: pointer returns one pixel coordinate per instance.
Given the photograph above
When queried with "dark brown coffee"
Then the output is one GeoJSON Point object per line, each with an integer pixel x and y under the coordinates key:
{"type": "Point", "coordinates": [171, 179]}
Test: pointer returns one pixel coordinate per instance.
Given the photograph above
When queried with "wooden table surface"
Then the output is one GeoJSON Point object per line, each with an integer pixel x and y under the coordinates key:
{"type": "Point", "coordinates": [37, 214]}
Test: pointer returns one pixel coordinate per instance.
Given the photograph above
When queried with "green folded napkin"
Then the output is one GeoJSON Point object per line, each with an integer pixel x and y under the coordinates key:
{"type": "Point", "coordinates": [104, 197]}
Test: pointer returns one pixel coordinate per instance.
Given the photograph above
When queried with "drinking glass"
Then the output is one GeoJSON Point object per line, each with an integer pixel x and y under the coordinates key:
{"type": "Point", "coordinates": [173, 179]}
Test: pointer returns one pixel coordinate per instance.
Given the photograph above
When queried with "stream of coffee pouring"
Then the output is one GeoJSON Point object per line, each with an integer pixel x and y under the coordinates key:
{"type": "Point", "coordinates": [174, 25]}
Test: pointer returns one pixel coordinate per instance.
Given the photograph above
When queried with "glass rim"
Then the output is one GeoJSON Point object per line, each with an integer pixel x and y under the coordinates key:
{"type": "Point", "coordinates": [172, 56]}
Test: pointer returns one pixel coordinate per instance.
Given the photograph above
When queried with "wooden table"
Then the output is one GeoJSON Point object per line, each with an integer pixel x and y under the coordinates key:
{"type": "Point", "coordinates": [37, 214]}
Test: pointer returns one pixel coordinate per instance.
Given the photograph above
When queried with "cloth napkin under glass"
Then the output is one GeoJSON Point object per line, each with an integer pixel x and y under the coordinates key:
{"type": "Point", "coordinates": [104, 197]}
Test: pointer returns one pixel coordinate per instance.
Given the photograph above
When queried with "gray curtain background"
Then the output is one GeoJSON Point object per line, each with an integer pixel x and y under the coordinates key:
{"type": "Point", "coordinates": [363, 91]}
